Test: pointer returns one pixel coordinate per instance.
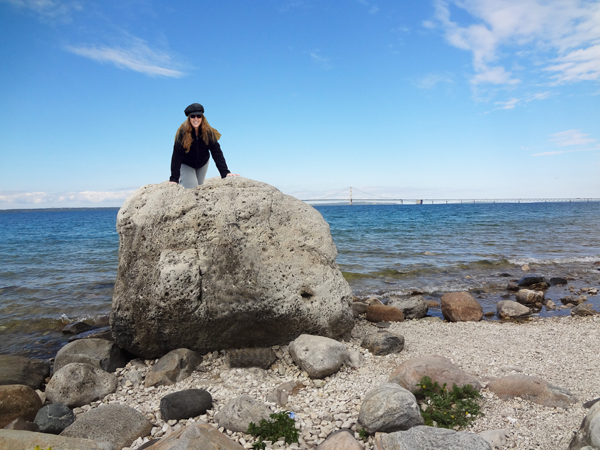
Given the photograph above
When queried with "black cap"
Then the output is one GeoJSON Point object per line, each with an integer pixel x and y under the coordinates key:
{"type": "Point", "coordinates": [196, 108]}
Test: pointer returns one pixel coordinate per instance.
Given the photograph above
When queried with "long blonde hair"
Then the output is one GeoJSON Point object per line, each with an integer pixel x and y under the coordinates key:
{"type": "Point", "coordinates": [184, 133]}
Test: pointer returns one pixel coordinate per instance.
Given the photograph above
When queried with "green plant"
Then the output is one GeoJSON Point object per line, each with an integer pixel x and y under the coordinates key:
{"type": "Point", "coordinates": [282, 426]}
{"type": "Point", "coordinates": [447, 408]}
{"type": "Point", "coordinates": [363, 434]}
{"type": "Point", "coordinates": [37, 447]}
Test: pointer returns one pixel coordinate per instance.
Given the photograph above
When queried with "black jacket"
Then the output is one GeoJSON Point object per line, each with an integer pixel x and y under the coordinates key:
{"type": "Point", "coordinates": [197, 156]}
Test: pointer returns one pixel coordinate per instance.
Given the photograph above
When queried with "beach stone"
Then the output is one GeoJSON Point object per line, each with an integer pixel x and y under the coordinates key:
{"type": "Point", "coordinates": [28, 440]}
{"type": "Point", "coordinates": [317, 355]}
{"type": "Point", "coordinates": [76, 328]}
{"type": "Point", "coordinates": [97, 352]}
{"type": "Point", "coordinates": [281, 393]}
{"type": "Point", "coordinates": [354, 360]}
{"type": "Point", "coordinates": [240, 412]}
{"type": "Point", "coordinates": [512, 286]}
{"type": "Point", "coordinates": [18, 400]}
{"type": "Point", "coordinates": [359, 308]}
{"type": "Point", "coordinates": [591, 403]}
{"type": "Point", "coordinates": [388, 408]}
{"type": "Point", "coordinates": [438, 368]}
{"type": "Point", "coordinates": [589, 431]}
{"type": "Point", "coordinates": [251, 357]}
{"type": "Point", "coordinates": [496, 438]}
{"type": "Point", "coordinates": [461, 307]}
{"type": "Point", "coordinates": [557, 281]}
{"type": "Point", "coordinates": [135, 377]}
{"type": "Point", "coordinates": [185, 404]}
{"type": "Point", "coordinates": [433, 304]}
{"type": "Point", "coordinates": [528, 297]}
{"type": "Point", "coordinates": [507, 308]}
{"type": "Point", "coordinates": [414, 307]}
{"type": "Point", "coordinates": [22, 424]}
{"type": "Point", "coordinates": [97, 333]}
{"type": "Point", "coordinates": [197, 436]}
{"type": "Point", "coordinates": [584, 309]}
{"type": "Point", "coordinates": [340, 440]}
{"type": "Point", "coordinates": [175, 366]}
{"type": "Point", "coordinates": [233, 263]}
{"type": "Point", "coordinates": [533, 389]}
{"type": "Point", "coordinates": [20, 370]}
{"type": "Point", "coordinates": [383, 343]}
{"type": "Point", "coordinates": [531, 280]}
{"type": "Point", "coordinates": [384, 313]}
{"type": "Point", "coordinates": [77, 384]}
{"type": "Point", "coordinates": [54, 418]}
{"type": "Point", "coordinates": [550, 305]}
{"type": "Point", "coordinates": [118, 424]}
{"type": "Point", "coordinates": [431, 438]}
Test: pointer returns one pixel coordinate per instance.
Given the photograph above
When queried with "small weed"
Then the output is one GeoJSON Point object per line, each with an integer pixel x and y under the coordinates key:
{"type": "Point", "coordinates": [363, 435]}
{"type": "Point", "coordinates": [445, 408]}
{"type": "Point", "coordinates": [282, 426]}
{"type": "Point", "coordinates": [37, 447]}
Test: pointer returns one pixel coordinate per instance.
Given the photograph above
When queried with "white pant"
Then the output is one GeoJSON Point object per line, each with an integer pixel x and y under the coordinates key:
{"type": "Point", "coordinates": [190, 177]}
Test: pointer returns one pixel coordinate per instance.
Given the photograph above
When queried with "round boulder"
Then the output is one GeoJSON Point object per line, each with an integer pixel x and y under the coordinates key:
{"type": "Point", "coordinates": [507, 308]}
{"type": "Point", "coordinates": [317, 355]}
{"type": "Point", "coordinates": [185, 404]}
{"type": "Point", "coordinates": [54, 418]}
{"type": "Point", "coordinates": [97, 352]}
{"type": "Point", "coordinates": [18, 400]}
{"type": "Point", "coordinates": [388, 408]}
{"type": "Point", "coordinates": [240, 412]}
{"type": "Point", "coordinates": [78, 384]}
{"type": "Point", "coordinates": [383, 343]}
{"type": "Point", "coordinates": [461, 307]}
{"type": "Point", "coordinates": [414, 307]}
{"type": "Point", "coordinates": [384, 313]}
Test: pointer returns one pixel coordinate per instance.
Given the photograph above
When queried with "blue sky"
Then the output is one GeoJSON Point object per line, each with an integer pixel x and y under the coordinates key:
{"type": "Point", "coordinates": [404, 99]}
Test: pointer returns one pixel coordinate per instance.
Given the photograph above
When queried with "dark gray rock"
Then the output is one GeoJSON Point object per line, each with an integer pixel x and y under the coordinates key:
{"type": "Point", "coordinates": [76, 328]}
{"type": "Point", "coordinates": [185, 404]}
{"type": "Point", "coordinates": [54, 418]}
{"type": "Point", "coordinates": [240, 412]}
{"type": "Point", "coordinates": [20, 370]}
{"type": "Point", "coordinates": [589, 432]}
{"type": "Point", "coordinates": [251, 357]}
{"type": "Point", "coordinates": [96, 352]}
{"type": "Point", "coordinates": [558, 281]}
{"type": "Point", "coordinates": [77, 384]}
{"type": "Point", "coordinates": [118, 424]}
{"type": "Point", "coordinates": [431, 438]}
{"type": "Point", "coordinates": [512, 286]}
{"type": "Point", "coordinates": [97, 333]}
{"type": "Point", "coordinates": [388, 408]}
{"type": "Point", "coordinates": [175, 366]}
{"type": "Point", "coordinates": [530, 280]}
{"type": "Point", "coordinates": [584, 309]}
{"type": "Point", "coordinates": [383, 343]}
{"type": "Point", "coordinates": [319, 356]}
{"type": "Point", "coordinates": [233, 263]}
{"type": "Point", "coordinates": [414, 307]}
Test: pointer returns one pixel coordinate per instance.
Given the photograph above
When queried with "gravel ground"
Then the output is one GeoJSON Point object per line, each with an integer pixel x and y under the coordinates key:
{"type": "Point", "coordinates": [560, 350]}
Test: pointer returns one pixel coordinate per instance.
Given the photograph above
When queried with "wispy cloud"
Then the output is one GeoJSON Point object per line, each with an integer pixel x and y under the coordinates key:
{"type": "Point", "coordinates": [564, 35]}
{"type": "Point", "coordinates": [373, 9]}
{"type": "Point", "coordinates": [511, 103]}
{"type": "Point", "coordinates": [431, 80]}
{"type": "Point", "coordinates": [49, 10]}
{"type": "Point", "coordinates": [65, 198]}
{"type": "Point", "coordinates": [573, 140]}
{"type": "Point", "coordinates": [320, 60]}
{"type": "Point", "coordinates": [136, 56]}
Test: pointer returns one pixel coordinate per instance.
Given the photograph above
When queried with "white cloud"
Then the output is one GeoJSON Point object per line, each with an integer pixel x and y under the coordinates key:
{"type": "Point", "coordinates": [137, 56]}
{"type": "Point", "coordinates": [431, 80]}
{"type": "Point", "coordinates": [372, 8]}
{"type": "Point", "coordinates": [575, 139]}
{"type": "Point", "coordinates": [563, 34]}
{"type": "Point", "coordinates": [92, 198]}
{"type": "Point", "coordinates": [510, 104]}
{"type": "Point", "coordinates": [49, 10]}
{"type": "Point", "coordinates": [320, 60]}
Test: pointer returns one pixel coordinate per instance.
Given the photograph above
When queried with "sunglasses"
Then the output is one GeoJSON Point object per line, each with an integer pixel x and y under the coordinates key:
{"type": "Point", "coordinates": [195, 116]}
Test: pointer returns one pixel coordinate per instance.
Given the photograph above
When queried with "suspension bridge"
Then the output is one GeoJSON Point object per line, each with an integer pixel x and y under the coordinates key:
{"type": "Point", "coordinates": [345, 196]}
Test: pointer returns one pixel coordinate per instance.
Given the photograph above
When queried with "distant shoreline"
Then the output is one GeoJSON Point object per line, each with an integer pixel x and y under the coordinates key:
{"type": "Point", "coordinates": [82, 208]}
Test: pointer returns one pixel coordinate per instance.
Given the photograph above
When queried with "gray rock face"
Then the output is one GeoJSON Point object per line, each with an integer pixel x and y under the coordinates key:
{"type": "Point", "coordinates": [54, 418]}
{"type": "Point", "coordinates": [383, 343]}
{"type": "Point", "coordinates": [97, 352]}
{"type": "Point", "coordinates": [388, 408]}
{"type": "Point", "coordinates": [77, 384]}
{"type": "Point", "coordinates": [438, 368]}
{"type": "Point", "coordinates": [118, 424]}
{"type": "Point", "coordinates": [175, 366]}
{"type": "Point", "coordinates": [18, 400]}
{"type": "Point", "coordinates": [529, 297]}
{"type": "Point", "coordinates": [584, 309]}
{"type": "Point", "coordinates": [185, 404]}
{"type": "Point", "coordinates": [508, 308]}
{"type": "Point", "coordinates": [413, 307]}
{"type": "Point", "coordinates": [431, 438]}
{"type": "Point", "coordinates": [317, 355]}
{"type": "Point", "coordinates": [240, 411]}
{"type": "Point", "coordinates": [533, 389]}
{"type": "Point", "coordinates": [27, 440]}
{"type": "Point", "coordinates": [589, 432]}
{"type": "Point", "coordinates": [21, 370]}
{"type": "Point", "coordinates": [197, 436]}
{"type": "Point", "coordinates": [233, 263]}
{"type": "Point", "coordinates": [251, 357]}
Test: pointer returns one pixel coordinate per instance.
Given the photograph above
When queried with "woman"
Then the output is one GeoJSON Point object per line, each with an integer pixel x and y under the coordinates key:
{"type": "Point", "coordinates": [194, 140]}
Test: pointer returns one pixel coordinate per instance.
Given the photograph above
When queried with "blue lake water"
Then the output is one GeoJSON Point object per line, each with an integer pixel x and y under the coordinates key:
{"type": "Point", "coordinates": [58, 266]}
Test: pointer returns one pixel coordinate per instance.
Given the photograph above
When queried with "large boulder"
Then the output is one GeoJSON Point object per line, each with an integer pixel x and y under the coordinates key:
{"type": "Point", "coordinates": [438, 368]}
{"type": "Point", "coordinates": [20, 370]}
{"type": "Point", "coordinates": [97, 352]}
{"type": "Point", "coordinates": [428, 438]}
{"type": "Point", "coordinates": [317, 355]}
{"type": "Point", "coordinates": [118, 424]}
{"type": "Point", "coordinates": [29, 440]}
{"type": "Point", "coordinates": [388, 408]}
{"type": "Point", "coordinates": [77, 384]}
{"type": "Point", "coordinates": [461, 307]}
{"type": "Point", "coordinates": [18, 400]}
{"type": "Point", "coordinates": [233, 263]}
